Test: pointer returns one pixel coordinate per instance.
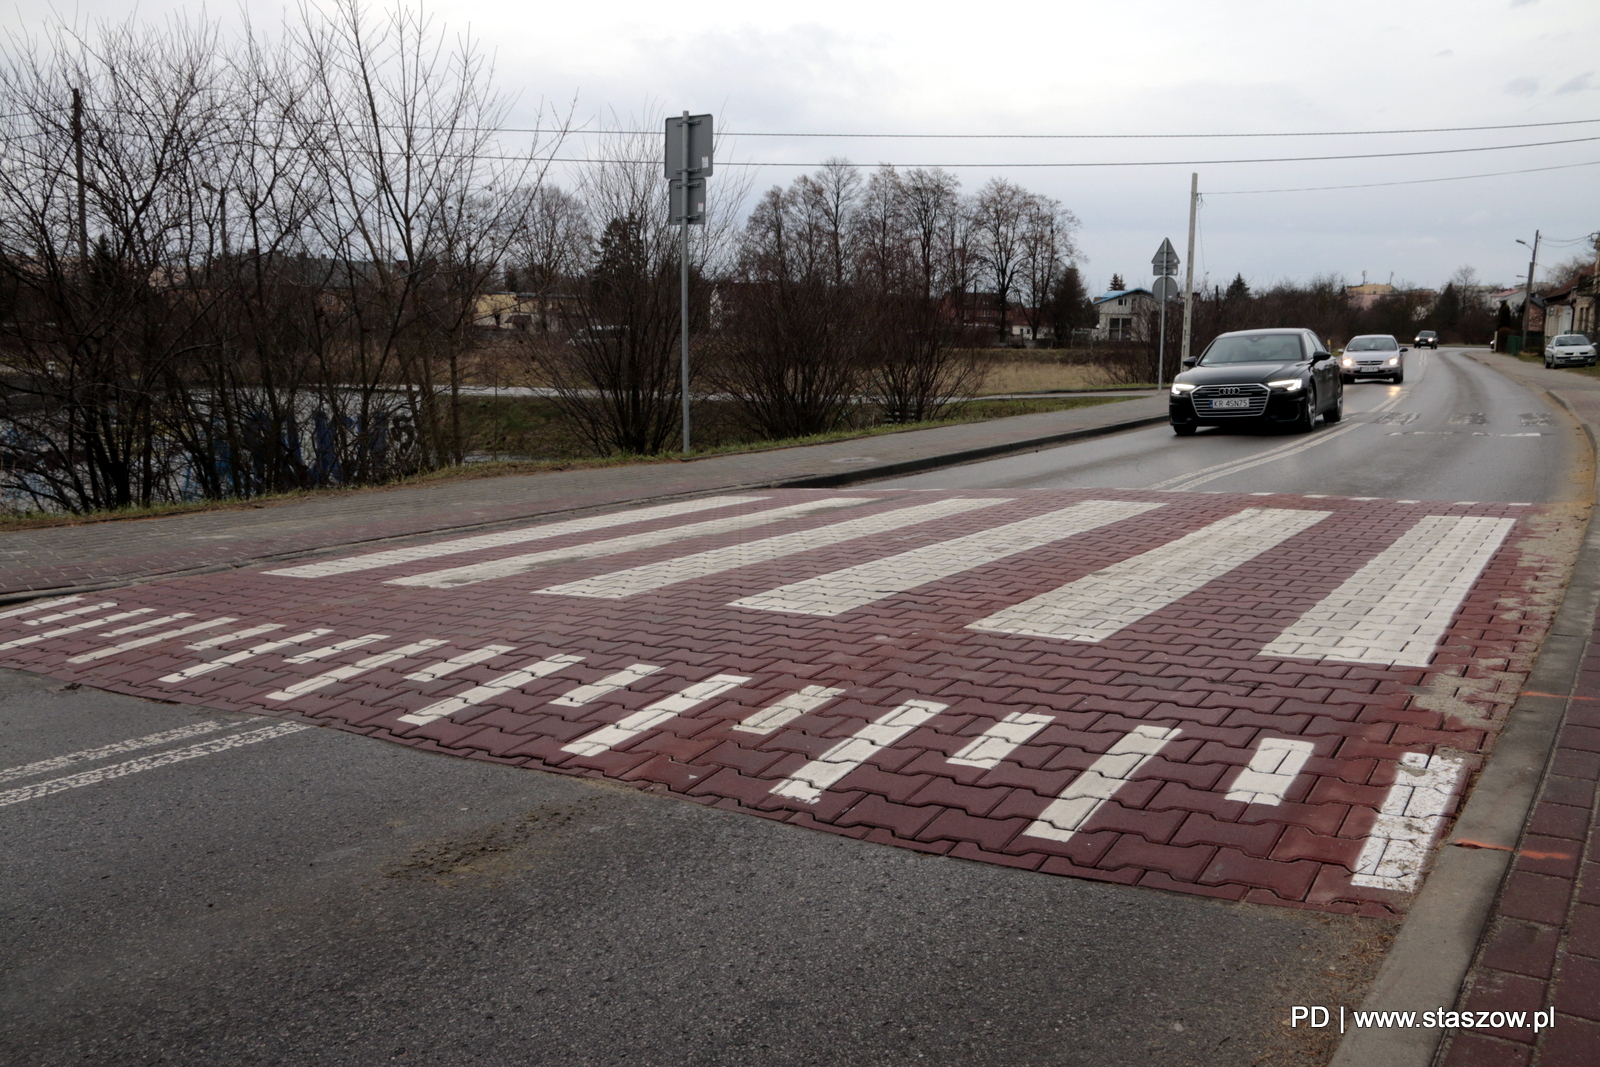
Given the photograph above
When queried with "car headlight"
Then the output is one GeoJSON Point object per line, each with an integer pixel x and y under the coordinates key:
{"type": "Point", "coordinates": [1394, 361]}
{"type": "Point", "coordinates": [1181, 388]}
{"type": "Point", "coordinates": [1290, 385]}
{"type": "Point", "coordinates": [1348, 362]}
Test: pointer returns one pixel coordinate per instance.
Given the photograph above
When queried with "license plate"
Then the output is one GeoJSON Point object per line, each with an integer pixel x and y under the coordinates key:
{"type": "Point", "coordinates": [1230, 402]}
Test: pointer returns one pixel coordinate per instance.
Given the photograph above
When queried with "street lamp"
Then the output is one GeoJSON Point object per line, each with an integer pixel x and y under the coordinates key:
{"type": "Point", "coordinates": [1527, 293]}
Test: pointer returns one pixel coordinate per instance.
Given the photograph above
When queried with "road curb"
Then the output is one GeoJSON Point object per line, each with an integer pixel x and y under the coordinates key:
{"type": "Point", "coordinates": [1440, 937]}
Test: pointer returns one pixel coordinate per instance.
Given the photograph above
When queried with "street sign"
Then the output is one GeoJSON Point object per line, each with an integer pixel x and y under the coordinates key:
{"type": "Point", "coordinates": [1166, 288]}
{"type": "Point", "coordinates": [1165, 261]}
{"type": "Point", "coordinates": [699, 145]}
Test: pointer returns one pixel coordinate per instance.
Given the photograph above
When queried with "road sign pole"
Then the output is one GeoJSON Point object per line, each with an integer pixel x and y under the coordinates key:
{"type": "Point", "coordinates": [1163, 266]}
{"type": "Point", "coordinates": [1161, 350]}
{"type": "Point", "coordinates": [683, 287]}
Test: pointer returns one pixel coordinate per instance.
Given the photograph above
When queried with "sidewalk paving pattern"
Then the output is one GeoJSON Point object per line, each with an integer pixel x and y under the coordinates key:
{"type": "Point", "coordinates": [1284, 708]}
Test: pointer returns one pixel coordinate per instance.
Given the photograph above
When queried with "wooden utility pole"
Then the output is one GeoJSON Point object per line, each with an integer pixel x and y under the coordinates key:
{"type": "Point", "coordinates": [1188, 273]}
{"type": "Point", "coordinates": [83, 193]}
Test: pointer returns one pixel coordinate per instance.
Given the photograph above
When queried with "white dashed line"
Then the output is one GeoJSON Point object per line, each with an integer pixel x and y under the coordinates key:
{"type": "Point", "coordinates": [647, 719]}
{"type": "Point", "coordinates": [1413, 812]}
{"type": "Point", "coordinates": [140, 642]}
{"type": "Point", "coordinates": [1273, 768]}
{"type": "Point", "coordinates": [1001, 739]}
{"type": "Point", "coordinates": [445, 668]}
{"type": "Point", "coordinates": [812, 780]}
{"type": "Point", "coordinates": [353, 670]}
{"type": "Point", "coordinates": [117, 748]}
{"type": "Point", "coordinates": [239, 657]}
{"type": "Point", "coordinates": [790, 708]}
{"type": "Point", "coordinates": [1076, 805]}
{"type": "Point", "coordinates": [489, 690]}
{"type": "Point", "coordinates": [577, 698]}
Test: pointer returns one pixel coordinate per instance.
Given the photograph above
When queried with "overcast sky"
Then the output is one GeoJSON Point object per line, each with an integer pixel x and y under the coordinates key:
{"type": "Point", "coordinates": [1131, 67]}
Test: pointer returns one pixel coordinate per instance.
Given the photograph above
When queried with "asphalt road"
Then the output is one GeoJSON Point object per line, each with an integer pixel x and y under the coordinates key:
{"type": "Point", "coordinates": [317, 897]}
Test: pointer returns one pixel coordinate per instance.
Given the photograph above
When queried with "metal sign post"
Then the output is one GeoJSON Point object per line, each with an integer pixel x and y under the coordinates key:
{"type": "Point", "coordinates": [1164, 265]}
{"type": "Point", "coordinates": [688, 162]}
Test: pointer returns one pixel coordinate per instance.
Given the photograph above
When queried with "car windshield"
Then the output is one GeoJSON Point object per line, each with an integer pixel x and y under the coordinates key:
{"type": "Point", "coordinates": [1427, 333]}
{"type": "Point", "coordinates": [1256, 348]}
{"type": "Point", "coordinates": [1571, 339]}
{"type": "Point", "coordinates": [1371, 344]}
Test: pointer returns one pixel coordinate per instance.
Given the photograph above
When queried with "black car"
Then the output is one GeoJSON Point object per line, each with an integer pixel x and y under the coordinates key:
{"type": "Point", "coordinates": [1426, 339]}
{"type": "Point", "coordinates": [1286, 377]}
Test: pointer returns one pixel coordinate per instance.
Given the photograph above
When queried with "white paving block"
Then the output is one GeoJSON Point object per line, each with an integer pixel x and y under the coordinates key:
{"type": "Point", "coordinates": [790, 708]}
{"type": "Point", "coordinates": [505, 683]}
{"type": "Point", "coordinates": [1412, 814]}
{"type": "Point", "coordinates": [1273, 768]}
{"type": "Point", "coordinates": [646, 719]}
{"type": "Point", "coordinates": [812, 780]}
{"type": "Point", "coordinates": [1076, 805]}
{"type": "Point", "coordinates": [1001, 739]}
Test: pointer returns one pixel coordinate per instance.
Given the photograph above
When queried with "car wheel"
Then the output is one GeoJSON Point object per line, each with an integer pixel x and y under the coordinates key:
{"type": "Point", "coordinates": [1335, 413]}
{"type": "Point", "coordinates": [1398, 378]}
{"type": "Point", "coordinates": [1182, 430]}
{"type": "Point", "coordinates": [1308, 414]}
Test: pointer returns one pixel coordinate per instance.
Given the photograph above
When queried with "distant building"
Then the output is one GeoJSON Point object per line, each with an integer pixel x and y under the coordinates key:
{"type": "Point", "coordinates": [1567, 309]}
{"type": "Point", "coordinates": [1363, 296]}
{"type": "Point", "coordinates": [1125, 315]}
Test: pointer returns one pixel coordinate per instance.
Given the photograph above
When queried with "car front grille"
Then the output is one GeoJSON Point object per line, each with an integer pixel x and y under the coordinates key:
{"type": "Point", "coordinates": [1206, 395]}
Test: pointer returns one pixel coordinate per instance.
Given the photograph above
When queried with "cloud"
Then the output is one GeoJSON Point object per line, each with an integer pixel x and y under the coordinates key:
{"type": "Point", "coordinates": [1522, 86]}
{"type": "Point", "coordinates": [1578, 84]}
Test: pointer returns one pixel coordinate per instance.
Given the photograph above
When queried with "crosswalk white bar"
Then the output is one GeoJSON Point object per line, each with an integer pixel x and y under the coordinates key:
{"type": "Point", "coordinates": [650, 576]}
{"type": "Point", "coordinates": [237, 635]}
{"type": "Point", "coordinates": [812, 780]}
{"type": "Point", "coordinates": [1001, 739]}
{"type": "Point", "coordinates": [444, 668]}
{"type": "Point", "coordinates": [479, 542]}
{"type": "Point", "coordinates": [62, 631]}
{"type": "Point", "coordinates": [521, 564]}
{"type": "Point", "coordinates": [490, 689]}
{"type": "Point", "coordinates": [353, 670]}
{"type": "Point", "coordinates": [244, 654]}
{"type": "Point", "coordinates": [151, 639]}
{"type": "Point", "coordinates": [788, 709]}
{"type": "Point", "coordinates": [148, 763]}
{"type": "Point", "coordinates": [1412, 814]}
{"type": "Point", "coordinates": [38, 605]}
{"type": "Point", "coordinates": [1098, 605]}
{"type": "Point", "coordinates": [1394, 610]}
{"type": "Point", "coordinates": [648, 718]}
{"type": "Point", "coordinates": [855, 587]}
{"type": "Point", "coordinates": [86, 609]}
{"type": "Point", "coordinates": [150, 624]}
{"type": "Point", "coordinates": [1273, 768]}
{"type": "Point", "coordinates": [1067, 814]}
{"type": "Point", "coordinates": [583, 694]}
{"type": "Point", "coordinates": [333, 650]}
{"type": "Point", "coordinates": [116, 748]}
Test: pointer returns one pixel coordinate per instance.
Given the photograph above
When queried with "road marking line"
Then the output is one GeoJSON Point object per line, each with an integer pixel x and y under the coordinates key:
{"type": "Point", "coordinates": [642, 579]}
{"type": "Point", "coordinates": [788, 709]}
{"type": "Point", "coordinates": [1413, 812]}
{"type": "Point", "coordinates": [393, 556]}
{"type": "Point", "coordinates": [39, 605]}
{"type": "Point", "coordinates": [61, 631]}
{"type": "Point", "coordinates": [1394, 610]}
{"type": "Point", "coordinates": [444, 668]}
{"type": "Point", "coordinates": [88, 755]}
{"type": "Point", "coordinates": [1077, 804]}
{"type": "Point", "coordinates": [239, 657]}
{"type": "Point", "coordinates": [237, 635]}
{"type": "Point", "coordinates": [855, 587]}
{"type": "Point", "coordinates": [648, 718]}
{"type": "Point", "coordinates": [1098, 605]}
{"type": "Point", "coordinates": [513, 565]}
{"type": "Point", "coordinates": [140, 642]}
{"type": "Point", "coordinates": [334, 650]}
{"type": "Point", "coordinates": [352, 670]}
{"type": "Point", "coordinates": [1273, 768]}
{"type": "Point", "coordinates": [150, 624]}
{"type": "Point", "coordinates": [809, 782]}
{"type": "Point", "coordinates": [85, 610]}
{"type": "Point", "coordinates": [490, 689]}
{"type": "Point", "coordinates": [148, 763]}
{"type": "Point", "coordinates": [1001, 739]}
{"type": "Point", "coordinates": [577, 698]}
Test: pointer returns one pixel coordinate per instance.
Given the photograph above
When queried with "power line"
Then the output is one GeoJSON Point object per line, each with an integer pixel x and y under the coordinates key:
{"type": "Point", "coordinates": [1415, 181]}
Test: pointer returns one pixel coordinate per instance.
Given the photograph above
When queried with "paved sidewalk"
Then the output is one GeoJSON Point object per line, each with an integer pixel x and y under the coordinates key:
{"type": "Point", "coordinates": [102, 555]}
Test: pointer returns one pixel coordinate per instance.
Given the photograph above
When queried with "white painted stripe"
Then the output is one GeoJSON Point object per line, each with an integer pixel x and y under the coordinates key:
{"type": "Point", "coordinates": [148, 763]}
{"type": "Point", "coordinates": [445, 668]}
{"type": "Point", "coordinates": [39, 605]}
{"type": "Point", "coordinates": [352, 670]}
{"type": "Point", "coordinates": [650, 576]}
{"type": "Point", "coordinates": [1097, 605]}
{"type": "Point", "coordinates": [1273, 768]}
{"type": "Point", "coordinates": [333, 650]}
{"type": "Point", "coordinates": [239, 657]}
{"type": "Point", "coordinates": [117, 748]}
{"type": "Point", "coordinates": [855, 587]}
{"type": "Point", "coordinates": [583, 694]}
{"type": "Point", "coordinates": [1001, 739]}
{"type": "Point", "coordinates": [237, 635]}
{"type": "Point", "coordinates": [788, 709]}
{"type": "Point", "coordinates": [513, 565]}
{"type": "Point", "coordinates": [479, 693]}
{"type": "Point", "coordinates": [151, 624]}
{"type": "Point", "coordinates": [1413, 812]}
{"type": "Point", "coordinates": [480, 542]}
{"type": "Point", "coordinates": [1394, 610]}
{"type": "Point", "coordinates": [61, 631]}
{"type": "Point", "coordinates": [87, 609]}
{"type": "Point", "coordinates": [648, 718]}
{"type": "Point", "coordinates": [1076, 805]}
{"type": "Point", "coordinates": [809, 782]}
{"type": "Point", "coordinates": [140, 642]}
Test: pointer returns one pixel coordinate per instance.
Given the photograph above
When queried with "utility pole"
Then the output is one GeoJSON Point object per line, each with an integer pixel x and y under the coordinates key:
{"type": "Point", "coordinates": [83, 195]}
{"type": "Point", "coordinates": [1188, 274]}
{"type": "Point", "coordinates": [688, 164]}
{"type": "Point", "coordinates": [683, 282]}
{"type": "Point", "coordinates": [1527, 294]}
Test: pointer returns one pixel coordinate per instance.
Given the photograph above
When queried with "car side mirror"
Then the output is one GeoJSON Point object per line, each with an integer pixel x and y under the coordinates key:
{"type": "Point", "coordinates": [1188, 364]}
{"type": "Point", "coordinates": [1318, 357]}
{"type": "Point", "coordinates": [1403, 348]}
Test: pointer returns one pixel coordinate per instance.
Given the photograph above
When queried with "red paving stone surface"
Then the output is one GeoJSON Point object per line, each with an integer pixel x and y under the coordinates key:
{"type": "Point", "coordinates": [916, 686]}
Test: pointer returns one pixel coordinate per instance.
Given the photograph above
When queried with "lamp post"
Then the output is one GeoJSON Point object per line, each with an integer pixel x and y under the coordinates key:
{"type": "Point", "coordinates": [1527, 294]}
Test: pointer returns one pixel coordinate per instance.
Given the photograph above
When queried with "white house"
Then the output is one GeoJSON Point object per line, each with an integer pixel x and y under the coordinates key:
{"type": "Point", "coordinates": [1125, 315]}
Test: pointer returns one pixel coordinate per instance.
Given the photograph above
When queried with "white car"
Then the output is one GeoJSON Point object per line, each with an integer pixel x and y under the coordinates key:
{"type": "Point", "coordinates": [1569, 349]}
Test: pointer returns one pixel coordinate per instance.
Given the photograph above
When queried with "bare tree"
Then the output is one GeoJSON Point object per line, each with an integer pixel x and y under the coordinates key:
{"type": "Point", "coordinates": [1000, 215]}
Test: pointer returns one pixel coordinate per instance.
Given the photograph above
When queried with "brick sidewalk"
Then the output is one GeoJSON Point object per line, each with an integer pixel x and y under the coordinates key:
{"type": "Point", "coordinates": [100, 555]}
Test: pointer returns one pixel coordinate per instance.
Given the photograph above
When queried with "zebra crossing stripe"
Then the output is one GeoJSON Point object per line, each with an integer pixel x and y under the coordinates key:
{"type": "Point", "coordinates": [1001, 739]}
{"type": "Point", "coordinates": [577, 698]}
{"type": "Point", "coordinates": [237, 635]}
{"type": "Point", "coordinates": [788, 709]}
{"type": "Point", "coordinates": [38, 605]}
{"type": "Point", "coordinates": [1394, 610]}
{"type": "Point", "coordinates": [352, 670]}
{"type": "Point", "coordinates": [333, 650]}
{"type": "Point", "coordinates": [390, 557]}
{"type": "Point", "coordinates": [444, 668]}
{"type": "Point", "coordinates": [1413, 812]}
{"type": "Point", "coordinates": [1098, 605]}
{"type": "Point", "coordinates": [647, 719]}
{"type": "Point", "coordinates": [62, 631]}
{"type": "Point", "coordinates": [489, 690]}
{"type": "Point", "coordinates": [242, 655]}
{"type": "Point", "coordinates": [650, 576]}
{"type": "Point", "coordinates": [521, 564]}
{"type": "Point", "coordinates": [1066, 815]}
{"type": "Point", "coordinates": [140, 642]}
{"type": "Point", "coordinates": [1273, 768]}
{"type": "Point", "coordinates": [855, 587]}
{"type": "Point", "coordinates": [87, 609]}
{"type": "Point", "coordinates": [812, 780]}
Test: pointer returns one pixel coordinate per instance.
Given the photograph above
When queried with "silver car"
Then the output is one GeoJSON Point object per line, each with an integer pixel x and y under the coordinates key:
{"type": "Point", "coordinates": [1373, 355]}
{"type": "Point", "coordinates": [1569, 349]}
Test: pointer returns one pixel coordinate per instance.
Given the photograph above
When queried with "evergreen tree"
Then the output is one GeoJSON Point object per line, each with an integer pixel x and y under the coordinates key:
{"type": "Point", "coordinates": [1238, 289]}
{"type": "Point", "coordinates": [1116, 283]}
